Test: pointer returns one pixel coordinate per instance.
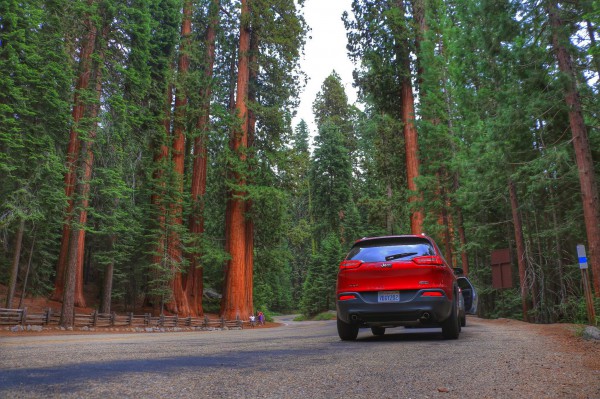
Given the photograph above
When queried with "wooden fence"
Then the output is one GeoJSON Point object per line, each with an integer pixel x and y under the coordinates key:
{"type": "Point", "coordinates": [12, 317]}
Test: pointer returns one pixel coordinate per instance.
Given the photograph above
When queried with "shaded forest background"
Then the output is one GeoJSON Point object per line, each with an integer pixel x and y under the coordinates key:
{"type": "Point", "coordinates": [147, 151]}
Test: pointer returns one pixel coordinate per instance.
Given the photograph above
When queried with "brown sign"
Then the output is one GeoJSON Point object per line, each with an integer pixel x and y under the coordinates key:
{"type": "Point", "coordinates": [501, 269]}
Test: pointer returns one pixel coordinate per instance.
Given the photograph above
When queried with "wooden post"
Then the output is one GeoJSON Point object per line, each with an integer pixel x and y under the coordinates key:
{"type": "Point", "coordinates": [130, 320]}
{"type": "Point", "coordinates": [24, 316]}
{"type": "Point", "coordinates": [591, 313]}
{"type": "Point", "coordinates": [587, 289]}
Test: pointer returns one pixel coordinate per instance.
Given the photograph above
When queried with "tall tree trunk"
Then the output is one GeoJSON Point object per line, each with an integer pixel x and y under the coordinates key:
{"type": "Point", "coordinates": [85, 68]}
{"type": "Point", "coordinates": [581, 144]}
{"type": "Point", "coordinates": [410, 134]}
{"type": "Point", "coordinates": [179, 304]}
{"type": "Point", "coordinates": [234, 303]}
{"type": "Point", "coordinates": [12, 285]}
{"type": "Point", "coordinates": [194, 286]}
{"type": "Point", "coordinates": [252, 84]}
{"type": "Point", "coordinates": [519, 240]}
{"type": "Point", "coordinates": [73, 290]}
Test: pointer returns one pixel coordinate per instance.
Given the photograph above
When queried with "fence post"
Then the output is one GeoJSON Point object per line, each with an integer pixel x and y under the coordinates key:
{"type": "Point", "coordinates": [95, 318]}
{"type": "Point", "coordinates": [113, 317]}
{"type": "Point", "coordinates": [24, 316]}
{"type": "Point", "coordinates": [161, 320]}
{"type": "Point", "coordinates": [222, 321]}
{"type": "Point", "coordinates": [205, 324]}
{"type": "Point", "coordinates": [240, 323]}
{"type": "Point", "coordinates": [130, 321]}
{"type": "Point", "coordinates": [146, 319]}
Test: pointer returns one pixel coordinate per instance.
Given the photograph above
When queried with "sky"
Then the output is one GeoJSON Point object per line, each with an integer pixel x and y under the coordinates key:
{"type": "Point", "coordinates": [325, 51]}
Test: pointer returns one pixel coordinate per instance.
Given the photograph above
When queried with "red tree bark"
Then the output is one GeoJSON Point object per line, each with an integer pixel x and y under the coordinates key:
{"type": "Point", "coordinates": [85, 67]}
{"type": "Point", "coordinates": [194, 282]}
{"type": "Point", "coordinates": [253, 77]}
{"type": "Point", "coordinates": [581, 144]}
{"type": "Point", "coordinates": [234, 303]}
{"type": "Point", "coordinates": [178, 303]}
{"type": "Point", "coordinates": [73, 289]}
{"type": "Point", "coordinates": [410, 136]}
{"type": "Point", "coordinates": [412, 153]}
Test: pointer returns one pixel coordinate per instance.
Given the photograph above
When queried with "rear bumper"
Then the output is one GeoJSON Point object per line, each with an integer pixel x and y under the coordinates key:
{"type": "Point", "coordinates": [414, 308]}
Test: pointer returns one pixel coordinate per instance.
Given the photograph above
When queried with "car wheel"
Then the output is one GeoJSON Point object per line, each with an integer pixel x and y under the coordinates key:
{"type": "Point", "coordinates": [451, 326]}
{"type": "Point", "coordinates": [378, 330]}
{"type": "Point", "coordinates": [347, 332]}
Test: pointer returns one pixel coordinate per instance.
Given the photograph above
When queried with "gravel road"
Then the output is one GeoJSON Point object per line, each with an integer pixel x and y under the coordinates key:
{"type": "Point", "coordinates": [491, 359]}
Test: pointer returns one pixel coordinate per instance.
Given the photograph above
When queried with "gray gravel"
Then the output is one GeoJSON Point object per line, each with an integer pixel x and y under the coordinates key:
{"type": "Point", "coordinates": [491, 359]}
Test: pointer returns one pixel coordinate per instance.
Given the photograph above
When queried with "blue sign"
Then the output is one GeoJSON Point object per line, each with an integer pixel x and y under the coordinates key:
{"type": "Point", "coordinates": [582, 258]}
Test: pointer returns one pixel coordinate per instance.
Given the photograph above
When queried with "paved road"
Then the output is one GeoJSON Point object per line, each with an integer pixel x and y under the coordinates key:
{"type": "Point", "coordinates": [299, 360]}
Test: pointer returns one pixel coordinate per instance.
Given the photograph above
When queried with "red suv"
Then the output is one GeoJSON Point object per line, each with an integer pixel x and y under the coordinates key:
{"type": "Point", "coordinates": [396, 281]}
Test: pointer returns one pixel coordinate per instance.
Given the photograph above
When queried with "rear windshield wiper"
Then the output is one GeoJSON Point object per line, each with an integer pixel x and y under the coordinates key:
{"type": "Point", "coordinates": [398, 256]}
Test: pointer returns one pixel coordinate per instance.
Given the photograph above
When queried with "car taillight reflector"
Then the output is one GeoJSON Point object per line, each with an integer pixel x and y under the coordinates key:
{"type": "Point", "coordinates": [432, 293]}
{"type": "Point", "coordinates": [346, 297]}
{"type": "Point", "coordinates": [428, 260]}
{"type": "Point", "coordinates": [350, 264]}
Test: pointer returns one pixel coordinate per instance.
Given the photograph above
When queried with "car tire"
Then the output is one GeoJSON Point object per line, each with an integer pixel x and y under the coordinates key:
{"type": "Point", "coordinates": [379, 331]}
{"type": "Point", "coordinates": [347, 332]}
{"type": "Point", "coordinates": [451, 326]}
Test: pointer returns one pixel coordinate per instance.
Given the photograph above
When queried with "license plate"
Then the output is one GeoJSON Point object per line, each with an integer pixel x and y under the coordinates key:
{"type": "Point", "coordinates": [388, 296]}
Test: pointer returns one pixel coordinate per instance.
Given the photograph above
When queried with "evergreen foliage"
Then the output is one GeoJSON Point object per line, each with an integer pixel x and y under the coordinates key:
{"type": "Point", "coordinates": [490, 110]}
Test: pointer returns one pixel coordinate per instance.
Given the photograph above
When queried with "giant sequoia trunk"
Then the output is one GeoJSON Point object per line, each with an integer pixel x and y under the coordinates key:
{"type": "Point", "coordinates": [234, 303]}
{"type": "Point", "coordinates": [412, 154]}
{"type": "Point", "coordinates": [73, 289]}
{"type": "Point", "coordinates": [410, 134]}
{"type": "Point", "coordinates": [581, 144]}
{"type": "Point", "coordinates": [194, 283]}
{"type": "Point", "coordinates": [253, 77]}
{"type": "Point", "coordinates": [179, 303]}
{"type": "Point", "coordinates": [85, 69]}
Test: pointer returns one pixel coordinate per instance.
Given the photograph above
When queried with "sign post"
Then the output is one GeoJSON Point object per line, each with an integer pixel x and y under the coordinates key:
{"type": "Point", "coordinates": [586, 284]}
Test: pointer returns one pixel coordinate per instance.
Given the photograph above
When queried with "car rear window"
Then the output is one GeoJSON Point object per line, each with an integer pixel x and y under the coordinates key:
{"type": "Point", "coordinates": [389, 250]}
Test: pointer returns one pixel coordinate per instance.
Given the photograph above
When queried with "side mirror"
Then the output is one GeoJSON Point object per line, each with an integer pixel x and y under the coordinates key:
{"type": "Point", "coordinates": [458, 271]}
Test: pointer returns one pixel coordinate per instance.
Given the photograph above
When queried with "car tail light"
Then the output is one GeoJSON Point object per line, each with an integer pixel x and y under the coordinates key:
{"type": "Point", "coordinates": [428, 260]}
{"type": "Point", "coordinates": [432, 293]}
{"type": "Point", "coordinates": [350, 264]}
{"type": "Point", "coordinates": [347, 297]}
